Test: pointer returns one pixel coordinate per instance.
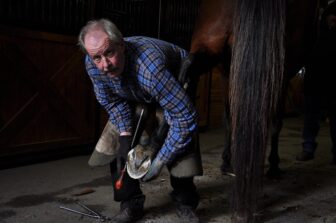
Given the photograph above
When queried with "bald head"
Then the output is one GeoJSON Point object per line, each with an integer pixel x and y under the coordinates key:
{"type": "Point", "coordinates": [98, 27]}
{"type": "Point", "coordinates": [94, 40]}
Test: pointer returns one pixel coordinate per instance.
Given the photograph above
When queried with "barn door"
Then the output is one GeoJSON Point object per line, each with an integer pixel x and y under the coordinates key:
{"type": "Point", "coordinates": [46, 99]}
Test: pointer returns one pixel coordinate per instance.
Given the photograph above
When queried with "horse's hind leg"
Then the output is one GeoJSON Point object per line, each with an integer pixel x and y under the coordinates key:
{"type": "Point", "coordinates": [274, 160]}
{"type": "Point", "coordinates": [277, 123]}
{"type": "Point", "coordinates": [226, 167]}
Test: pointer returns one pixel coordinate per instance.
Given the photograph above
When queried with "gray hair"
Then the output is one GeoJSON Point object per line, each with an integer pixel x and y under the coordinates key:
{"type": "Point", "coordinates": [105, 25]}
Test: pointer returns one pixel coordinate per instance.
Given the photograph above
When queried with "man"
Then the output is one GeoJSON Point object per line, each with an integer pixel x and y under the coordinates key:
{"type": "Point", "coordinates": [140, 69]}
{"type": "Point", "coordinates": [319, 87]}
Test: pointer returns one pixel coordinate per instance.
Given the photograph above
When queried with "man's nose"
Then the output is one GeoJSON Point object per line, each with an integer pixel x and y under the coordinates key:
{"type": "Point", "coordinates": [105, 63]}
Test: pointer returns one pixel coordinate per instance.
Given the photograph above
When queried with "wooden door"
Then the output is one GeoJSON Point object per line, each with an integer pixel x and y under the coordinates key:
{"type": "Point", "coordinates": [46, 100]}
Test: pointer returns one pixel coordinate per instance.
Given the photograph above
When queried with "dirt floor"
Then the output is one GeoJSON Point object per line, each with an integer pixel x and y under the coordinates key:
{"type": "Point", "coordinates": [305, 193]}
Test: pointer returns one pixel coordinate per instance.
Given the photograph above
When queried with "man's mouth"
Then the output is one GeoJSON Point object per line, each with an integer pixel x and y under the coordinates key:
{"type": "Point", "coordinates": [112, 70]}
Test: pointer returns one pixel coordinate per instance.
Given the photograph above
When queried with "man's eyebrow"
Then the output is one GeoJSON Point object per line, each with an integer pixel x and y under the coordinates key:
{"type": "Point", "coordinates": [96, 56]}
{"type": "Point", "coordinates": [109, 48]}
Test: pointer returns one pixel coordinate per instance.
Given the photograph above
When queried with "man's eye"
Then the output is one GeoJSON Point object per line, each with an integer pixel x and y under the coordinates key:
{"type": "Point", "coordinates": [110, 53]}
{"type": "Point", "coordinates": [96, 59]}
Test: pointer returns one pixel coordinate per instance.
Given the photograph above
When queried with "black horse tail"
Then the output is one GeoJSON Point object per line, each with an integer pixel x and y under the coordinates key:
{"type": "Point", "coordinates": [255, 85]}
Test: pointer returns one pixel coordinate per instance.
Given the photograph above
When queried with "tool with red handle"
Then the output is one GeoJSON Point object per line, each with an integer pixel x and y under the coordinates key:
{"type": "Point", "coordinates": [119, 182]}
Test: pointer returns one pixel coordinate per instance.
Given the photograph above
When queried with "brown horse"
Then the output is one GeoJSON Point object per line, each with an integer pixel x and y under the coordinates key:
{"type": "Point", "coordinates": [261, 44]}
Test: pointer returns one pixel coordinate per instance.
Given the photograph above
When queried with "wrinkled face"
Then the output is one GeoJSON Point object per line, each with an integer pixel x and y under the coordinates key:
{"type": "Point", "coordinates": [108, 56]}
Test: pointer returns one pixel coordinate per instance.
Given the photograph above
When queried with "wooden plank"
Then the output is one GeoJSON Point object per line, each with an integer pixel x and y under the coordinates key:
{"type": "Point", "coordinates": [13, 32]}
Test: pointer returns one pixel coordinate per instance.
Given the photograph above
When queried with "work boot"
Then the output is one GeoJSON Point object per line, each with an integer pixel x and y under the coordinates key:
{"type": "Point", "coordinates": [130, 211]}
{"type": "Point", "coordinates": [304, 156]}
{"type": "Point", "coordinates": [186, 214]}
{"type": "Point", "coordinates": [127, 215]}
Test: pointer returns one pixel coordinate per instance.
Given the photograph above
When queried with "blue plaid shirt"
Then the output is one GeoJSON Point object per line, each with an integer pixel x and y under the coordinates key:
{"type": "Point", "coordinates": [148, 77]}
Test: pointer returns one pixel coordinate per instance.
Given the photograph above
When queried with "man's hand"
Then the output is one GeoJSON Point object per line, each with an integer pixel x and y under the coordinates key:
{"type": "Point", "coordinates": [154, 170]}
{"type": "Point", "coordinates": [125, 142]}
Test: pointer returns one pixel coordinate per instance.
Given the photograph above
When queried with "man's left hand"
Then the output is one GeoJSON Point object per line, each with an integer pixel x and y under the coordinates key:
{"type": "Point", "coordinates": [154, 170]}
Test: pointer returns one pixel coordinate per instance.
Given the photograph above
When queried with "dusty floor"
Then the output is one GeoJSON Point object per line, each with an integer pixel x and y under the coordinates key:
{"type": "Point", "coordinates": [306, 192]}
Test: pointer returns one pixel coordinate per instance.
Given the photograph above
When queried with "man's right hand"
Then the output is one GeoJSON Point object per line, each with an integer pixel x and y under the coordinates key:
{"type": "Point", "coordinates": [125, 143]}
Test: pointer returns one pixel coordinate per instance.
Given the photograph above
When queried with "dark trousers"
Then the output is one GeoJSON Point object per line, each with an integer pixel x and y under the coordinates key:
{"type": "Point", "coordinates": [130, 187]}
{"type": "Point", "coordinates": [315, 108]}
{"type": "Point", "coordinates": [184, 190]}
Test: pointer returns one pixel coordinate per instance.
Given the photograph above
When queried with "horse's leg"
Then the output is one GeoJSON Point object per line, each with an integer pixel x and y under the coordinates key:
{"type": "Point", "coordinates": [226, 167]}
{"type": "Point", "coordinates": [277, 123]}
{"type": "Point", "coordinates": [273, 159]}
